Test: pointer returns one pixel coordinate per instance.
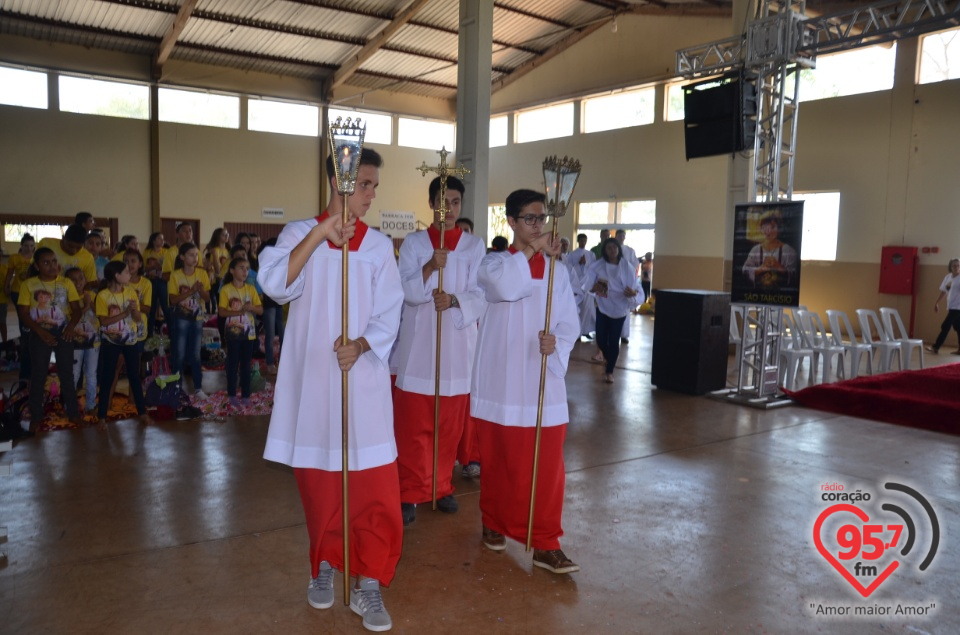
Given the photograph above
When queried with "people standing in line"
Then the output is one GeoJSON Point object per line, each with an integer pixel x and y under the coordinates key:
{"type": "Point", "coordinates": [128, 241]}
{"type": "Point", "coordinates": [189, 290]}
{"type": "Point", "coordinates": [598, 248]}
{"type": "Point", "coordinates": [460, 304]}
{"type": "Point", "coordinates": [949, 289]}
{"type": "Point", "coordinates": [118, 311]}
{"type": "Point", "coordinates": [506, 386]}
{"type": "Point", "coordinates": [184, 236]}
{"type": "Point", "coordinates": [304, 269]}
{"type": "Point", "coordinates": [580, 258]}
{"type": "Point", "coordinates": [18, 266]}
{"type": "Point", "coordinates": [216, 256]}
{"type": "Point", "coordinates": [646, 273]}
{"type": "Point", "coordinates": [614, 283]}
{"type": "Point", "coordinates": [273, 322]}
{"type": "Point", "coordinates": [239, 303]}
{"type": "Point", "coordinates": [50, 307]}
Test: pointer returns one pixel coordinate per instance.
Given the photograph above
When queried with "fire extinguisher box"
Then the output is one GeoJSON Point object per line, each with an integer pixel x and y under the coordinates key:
{"type": "Point", "coordinates": [898, 270]}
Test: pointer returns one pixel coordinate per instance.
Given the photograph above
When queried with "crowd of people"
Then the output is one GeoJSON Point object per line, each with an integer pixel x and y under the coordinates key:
{"type": "Point", "coordinates": [92, 308]}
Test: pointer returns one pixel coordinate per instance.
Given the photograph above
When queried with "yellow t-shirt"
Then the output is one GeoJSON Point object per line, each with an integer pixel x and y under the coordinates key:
{"type": "Point", "coordinates": [144, 290]}
{"type": "Point", "coordinates": [49, 301]}
{"type": "Point", "coordinates": [219, 258]}
{"type": "Point", "coordinates": [83, 259]}
{"type": "Point", "coordinates": [192, 307]}
{"type": "Point", "coordinates": [109, 303]}
{"type": "Point", "coordinates": [239, 327]}
{"type": "Point", "coordinates": [19, 264]}
{"type": "Point", "coordinates": [161, 256]}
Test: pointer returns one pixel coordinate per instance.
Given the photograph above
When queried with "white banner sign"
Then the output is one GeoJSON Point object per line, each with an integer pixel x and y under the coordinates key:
{"type": "Point", "coordinates": [272, 212]}
{"type": "Point", "coordinates": [398, 224]}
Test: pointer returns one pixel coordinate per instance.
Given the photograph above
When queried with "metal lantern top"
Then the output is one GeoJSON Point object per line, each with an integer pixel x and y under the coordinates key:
{"type": "Point", "coordinates": [346, 145]}
{"type": "Point", "coordinates": [559, 177]}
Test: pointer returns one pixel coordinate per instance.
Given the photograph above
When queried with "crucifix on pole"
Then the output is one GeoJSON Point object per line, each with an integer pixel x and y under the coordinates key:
{"type": "Point", "coordinates": [444, 171]}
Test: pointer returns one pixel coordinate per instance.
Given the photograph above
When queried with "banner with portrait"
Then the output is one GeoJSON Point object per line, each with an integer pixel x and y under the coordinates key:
{"type": "Point", "coordinates": [766, 253]}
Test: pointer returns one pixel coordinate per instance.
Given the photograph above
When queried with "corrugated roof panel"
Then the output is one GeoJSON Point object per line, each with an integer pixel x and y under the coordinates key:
{"type": "Point", "coordinates": [423, 39]}
{"type": "Point", "coordinates": [250, 40]}
{"type": "Point", "coordinates": [295, 15]}
{"type": "Point", "coordinates": [573, 12]}
{"type": "Point", "coordinates": [246, 63]}
{"type": "Point", "coordinates": [401, 64]}
{"type": "Point", "coordinates": [442, 13]}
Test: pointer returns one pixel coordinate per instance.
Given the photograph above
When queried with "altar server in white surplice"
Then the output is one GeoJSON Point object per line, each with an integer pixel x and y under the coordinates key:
{"type": "Point", "coordinates": [461, 304]}
{"type": "Point", "coordinates": [506, 385]}
{"type": "Point", "coordinates": [304, 269]}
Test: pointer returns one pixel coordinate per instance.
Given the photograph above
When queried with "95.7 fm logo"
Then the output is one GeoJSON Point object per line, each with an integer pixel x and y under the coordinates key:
{"type": "Point", "coordinates": [866, 548]}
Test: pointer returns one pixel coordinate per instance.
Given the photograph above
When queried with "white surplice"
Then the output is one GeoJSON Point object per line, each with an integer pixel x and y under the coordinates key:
{"type": "Point", "coordinates": [305, 428]}
{"type": "Point", "coordinates": [416, 352]}
{"type": "Point", "coordinates": [506, 376]}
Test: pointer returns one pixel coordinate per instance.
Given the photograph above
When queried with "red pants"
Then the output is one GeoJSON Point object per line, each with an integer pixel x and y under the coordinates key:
{"type": "Point", "coordinates": [413, 429]}
{"type": "Point", "coordinates": [469, 450]}
{"type": "Point", "coordinates": [376, 529]}
{"type": "Point", "coordinates": [507, 475]}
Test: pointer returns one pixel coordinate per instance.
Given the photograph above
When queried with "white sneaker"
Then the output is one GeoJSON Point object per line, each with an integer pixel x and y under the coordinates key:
{"type": "Point", "coordinates": [320, 589]}
{"type": "Point", "coordinates": [367, 601]}
{"type": "Point", "coordinates": [201, 396]}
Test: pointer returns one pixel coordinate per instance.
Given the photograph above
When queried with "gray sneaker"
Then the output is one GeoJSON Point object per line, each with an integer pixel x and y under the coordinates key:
{"type": "Point", "coordinates": [320, 589]}
{"type": "Point", "coordinates": [367, 601]}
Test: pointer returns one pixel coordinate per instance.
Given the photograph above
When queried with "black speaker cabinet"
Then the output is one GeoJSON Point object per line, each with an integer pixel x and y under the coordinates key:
{"type": "Point", "coordinates": [719, 116]}
{"type": "Point", "coordinates": [690, 340]}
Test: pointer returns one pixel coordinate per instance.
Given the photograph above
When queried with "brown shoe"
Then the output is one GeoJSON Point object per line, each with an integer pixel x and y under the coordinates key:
{"type": "Point", "coordinates": [555, 561]}
{"type": "Point", "coordinates": [494, 540]}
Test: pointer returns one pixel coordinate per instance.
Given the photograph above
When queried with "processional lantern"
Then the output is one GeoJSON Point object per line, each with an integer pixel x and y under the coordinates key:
{"type": "Point", "coordinates": [559, 178]}
{"type": "Point", "coordinates": [346, 145]}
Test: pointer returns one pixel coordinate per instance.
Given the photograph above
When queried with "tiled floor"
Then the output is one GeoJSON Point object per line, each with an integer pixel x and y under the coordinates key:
{"type": "Point", "coordinates": [686, 515]}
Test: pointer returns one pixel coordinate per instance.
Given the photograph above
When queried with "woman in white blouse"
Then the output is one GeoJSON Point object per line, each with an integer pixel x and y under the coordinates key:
{"type": "Point", "coordinates": [613, 281]}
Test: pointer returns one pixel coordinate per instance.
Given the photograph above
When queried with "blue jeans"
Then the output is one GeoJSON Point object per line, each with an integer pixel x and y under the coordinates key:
{"type": "Point", "coordinates": [186, 349]}
{"type": "Point", "coordinates": [272, 325]}
{"type": "Point", "coordinates": [159, 302]}
{"type": "Point", "coordinates": [39, 365]}
{"type": "Point", "coordinates": [131, 355]}
{"type": "Point", "coordinates": [608, 338]}
{"type": "Point", "coordinates": [85, 361]}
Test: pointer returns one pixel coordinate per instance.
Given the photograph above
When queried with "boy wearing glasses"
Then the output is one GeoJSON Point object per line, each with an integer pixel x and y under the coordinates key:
{"type": "Point", "coordinates": [506, 385]}
{"type": "Point", "coordinates": [460, 304]}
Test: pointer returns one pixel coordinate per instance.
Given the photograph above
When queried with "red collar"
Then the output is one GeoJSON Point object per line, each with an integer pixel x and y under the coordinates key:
{"type": "Point", "coordinates": [538, 264]}
{"type": "Point", "coordinates": [450, 237]}
{"type": "Point", "coordinates": [357, 236]}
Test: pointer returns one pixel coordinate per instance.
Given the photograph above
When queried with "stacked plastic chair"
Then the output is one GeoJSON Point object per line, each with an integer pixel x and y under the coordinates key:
{"type": "Point", "coordinates": [897, 332]}
{"type": "Point", "coordinates": [883, 346]}
{"type": "Point", "coordinates": [841, 330]}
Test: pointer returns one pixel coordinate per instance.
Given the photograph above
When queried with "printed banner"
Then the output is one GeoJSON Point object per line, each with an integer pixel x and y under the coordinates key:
{"type": "Point", "coordinates": [766, 253]}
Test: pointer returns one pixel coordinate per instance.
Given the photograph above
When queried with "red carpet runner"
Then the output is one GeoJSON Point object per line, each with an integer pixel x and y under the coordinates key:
{"type": "Point", "coordinates": [928, 399]}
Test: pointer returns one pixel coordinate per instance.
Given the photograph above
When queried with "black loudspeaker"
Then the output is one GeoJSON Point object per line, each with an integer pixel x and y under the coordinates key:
{"type": "Point", "coordinates": [690, 341]}
{"type": "Point", "coordinates": [719, 116]}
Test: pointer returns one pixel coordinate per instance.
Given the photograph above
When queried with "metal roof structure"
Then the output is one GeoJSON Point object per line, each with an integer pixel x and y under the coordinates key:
{"type": "Point", "coordinates": [406, 46]}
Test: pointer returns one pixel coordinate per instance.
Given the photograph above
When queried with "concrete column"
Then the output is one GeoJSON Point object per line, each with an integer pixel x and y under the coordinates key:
{"type": "Point", "coordinates": [475, 60]}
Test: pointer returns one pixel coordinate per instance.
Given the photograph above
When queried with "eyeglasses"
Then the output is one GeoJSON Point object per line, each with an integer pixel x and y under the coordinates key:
{"type": "Point", "coordinates": [530, 219]}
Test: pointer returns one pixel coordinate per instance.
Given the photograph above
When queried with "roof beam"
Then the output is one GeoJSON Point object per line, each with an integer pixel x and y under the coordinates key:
{"type": "Point", "coordinates": [371, 47]}
{"type": "Point", "coordinates": [170, 37]}
{"type": "Point", "coordinates": [549, 54]}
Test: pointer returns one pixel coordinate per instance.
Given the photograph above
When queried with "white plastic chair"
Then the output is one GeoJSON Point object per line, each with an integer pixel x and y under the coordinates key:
{"type": "Point", "coordinates": [883, 345]}
{"type": "Point", "coordinates": [792, 354]}
{"type": "Point", "coordinates": [814, 336]}
{"type": "Point", "coordinates": [907, 344]}
{"type": "Point", "coordinates": [842, 332]}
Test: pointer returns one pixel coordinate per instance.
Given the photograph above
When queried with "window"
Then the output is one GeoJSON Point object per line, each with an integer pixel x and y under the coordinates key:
{"type": "Point", "coordinates": [940, 56]}
{"type": "Point", "coordinates": [623, 110]}
{"type": "Point", "coordinates": [637, 218]}
{"type": "Point", "coordinates": [430, 135]}
{"type": "Point", "coordinates": [545, 123]}
{"type": "Point", "coordinates": [821, 218]}
{"type": "Point", "coordinates": [23, 88]}
{"type": "Point", "coordinates": [497, 224]}
{"type": "Point", "coordinates": [12, 233]}
{"type": "Point", "coordinates": [498, 131]}
{"type": "Point", "coordinates": [673, 110]}
{"type": "Point", "coordinates": [199, 108]}
{"type": "Point", "coordinates": [99, 97]}
{"type": "Point", "coordinates": [282, 117]}
{"type": "Point", "coordinates": [379, 127]}
{"type": "Point", "coordinates": [863, 70]}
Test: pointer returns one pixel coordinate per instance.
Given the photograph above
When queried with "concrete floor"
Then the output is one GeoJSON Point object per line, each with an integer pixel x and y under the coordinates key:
{"type": "Point", "coordinates": [686, 515]}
